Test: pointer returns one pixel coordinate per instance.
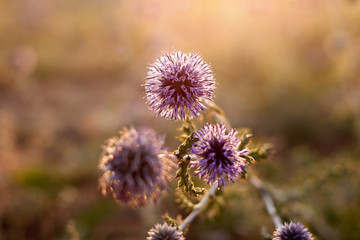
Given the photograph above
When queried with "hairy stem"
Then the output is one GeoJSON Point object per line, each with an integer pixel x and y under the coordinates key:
{"type": "Point", "coordinates": [198, 207]}
{"type": "Point", "coordinates": [219, 115]}
{"type": "Point", "coordinates": [267, 198]}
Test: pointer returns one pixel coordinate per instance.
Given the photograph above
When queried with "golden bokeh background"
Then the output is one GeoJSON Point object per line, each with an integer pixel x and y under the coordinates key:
{"type": "Point", "coordinates": [71, 75]}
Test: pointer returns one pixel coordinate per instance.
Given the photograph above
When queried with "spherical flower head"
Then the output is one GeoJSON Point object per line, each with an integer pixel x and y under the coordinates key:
{"type": "Point", "coordinates": [292, 231]}
{"type": "Point", "coordinates": [164, 232]}
{"type": "Point", "coordinates": [178, 85]}
{"type": "Point", "coordinates": [135, 167]}
{"type": "Point", "coordinates": [218, 155]}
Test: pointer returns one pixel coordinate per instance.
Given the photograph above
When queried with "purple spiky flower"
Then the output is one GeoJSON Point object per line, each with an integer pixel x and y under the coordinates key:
{"type": "Point", "coordinates": [164, 232]}
{"type": "Point", "coordinates": [178, 84]}
{"type": "Point", "coordinates": [218, 154]}
{"type": "Point", "coordinates": [292, 231]}
{"type": "Point", "coordinates": [135, 167]}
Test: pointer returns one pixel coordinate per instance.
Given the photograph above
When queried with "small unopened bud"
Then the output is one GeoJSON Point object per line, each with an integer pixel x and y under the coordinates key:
{"type": "Point", "coordinates": [292, 231]}
{"type": "Point", "coordinates": [164, 232]}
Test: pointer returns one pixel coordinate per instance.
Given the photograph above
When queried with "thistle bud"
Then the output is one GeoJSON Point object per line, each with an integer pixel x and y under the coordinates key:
{"type": "Point", "coordinates": [164, 232]}
{"type": "Point", "coordinates": [135, 167]}
{"type": "Point", "coordinates": [178, 85]}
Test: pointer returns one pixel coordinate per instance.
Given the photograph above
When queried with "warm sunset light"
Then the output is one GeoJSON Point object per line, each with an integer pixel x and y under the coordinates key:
{"type": "Point", "coordinates": [181, 119]}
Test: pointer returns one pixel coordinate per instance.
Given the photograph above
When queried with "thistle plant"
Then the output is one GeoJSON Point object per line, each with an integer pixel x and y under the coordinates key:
{"type": "Point", "coordinates": [292, 231]}
{"type": "Point", "coordinates": [164, 231]}
{"type": "Point", "coordinates": [136, 166]}
{"type": "Point", "coordinates": [179, 85]}
{"type": "Point", "coordinates": [218, 157]}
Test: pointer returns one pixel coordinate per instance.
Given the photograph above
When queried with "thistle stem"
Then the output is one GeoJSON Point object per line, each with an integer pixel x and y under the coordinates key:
{"type": "Point", "coordinates": [268, 200]}
{"type": "Point", "coordinates": [219, 115]}
{"type": "Point", "coordinates": [198, 207]}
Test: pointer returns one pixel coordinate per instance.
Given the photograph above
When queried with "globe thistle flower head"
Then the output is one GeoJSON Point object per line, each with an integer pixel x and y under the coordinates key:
{"type": "Point", "coordinates": [218, 154]}
{"type": "Point", "coordinates": [135, 167]}
{"type": "Point", "coordinates": [164, 232]}
{"type": "Point", "coordinates": [292, 231]}
{"type": "Point", "coordinates": [178, 85]}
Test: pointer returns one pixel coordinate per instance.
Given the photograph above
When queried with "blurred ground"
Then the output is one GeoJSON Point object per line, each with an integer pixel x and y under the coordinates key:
{"type": "Point", "coordinates": [71, 75]}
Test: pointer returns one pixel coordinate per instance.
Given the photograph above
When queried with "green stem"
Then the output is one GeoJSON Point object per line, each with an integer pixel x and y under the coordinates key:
{"type": "Point", "coordinates": [198, 207]}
